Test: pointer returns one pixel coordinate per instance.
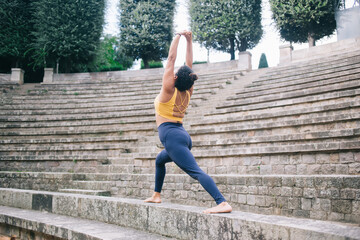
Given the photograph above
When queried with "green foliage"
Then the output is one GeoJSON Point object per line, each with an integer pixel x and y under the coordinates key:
{"type": "Point", "coordinates": [67, 32]}
{"type": "Point", "coordinates": [15, 28]}
{"type": "Point", "coordinates": [302, 21]}
{"type": "Point", "coordinates": [263, 62]}
{"type": "Point", "coordinates": [146, 28]}
{"type": "Point", "coordinates": [152, 64]}
{"type": "Point", "coordinates": [226, 25]}
{"type": "Point", "coordinates": [199, 62]}
{"type": "Point", "coordinates": [110, 56]}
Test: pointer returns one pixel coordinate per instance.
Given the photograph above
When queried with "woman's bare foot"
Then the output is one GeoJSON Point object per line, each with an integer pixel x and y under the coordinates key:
{"type": "Point", "coordinates": [155, 198]}
{"type": "Point", "coordinates": [223, 207]}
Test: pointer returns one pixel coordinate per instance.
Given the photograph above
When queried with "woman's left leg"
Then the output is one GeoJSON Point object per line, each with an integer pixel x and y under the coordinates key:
{"type": "Point", "coordinates": [178, 145]}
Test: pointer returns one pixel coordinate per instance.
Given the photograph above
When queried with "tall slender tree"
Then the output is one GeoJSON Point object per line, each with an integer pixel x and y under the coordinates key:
{"type": "Point", "coordinates": [226, 25]}
{"type": "Point", "coordinates": [146, 28]}
{"type": "Point", "coordinates": [15, 28]}
{"type": "Point", "coordinates": [67, 32]}
{"type": "Point", "coordinates": [301, 21]}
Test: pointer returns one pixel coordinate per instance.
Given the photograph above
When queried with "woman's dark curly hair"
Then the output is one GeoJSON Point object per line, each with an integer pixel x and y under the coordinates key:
{"type": "Point", "coordinates": [185, 78]}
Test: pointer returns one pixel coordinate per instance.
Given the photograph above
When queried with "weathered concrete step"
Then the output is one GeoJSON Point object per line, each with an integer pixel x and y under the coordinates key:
{"type": "Point", "coordinates": [313, 122]}
{"type": "Point", "coordinates": [326, 197]}
{"type": "Point", "coordinates": [118, 129]}
{"type": "Point", "coordinates": [229, 107]}
{"type": "Point", "coordinates": [66, 227]}
{"type": "Point", "coordinates": [120, 100]}
{"type": "Point", "coordinates": [285, 138]}
{"type": "Point", "coordinates": [120, 89]}
{"type": "Point", "coordinates": [318, 109]}
{"type": "Point", "coordinates": [301, 83]}
{"type": "Point", "coordinates": [123, 117]}
{"type": "Point", "coordinates": [92, 147]}
{"type": "Point", "coordinates": [218, 152]}
{"type": "Point", "coordinates": [79, 95]}
{"type": "Point", "coordinates": [65, 104]}
{"type": "Point", "coordinates": [126, 123]}
{"type": "Point", "coordinates": [53, 157]}
{"type": "Point", "coordinates": [120, 166]}
{"type": "Point", "coordinates": [293, 86]}
{"type": "Point", "coordinates": [134, 80]}
{"type": "Point", "coordinates": [117, 139]}
{"type": "Point", "coordinates": [87, 192]}
{"type": "Point", "coordinates": [321, 67]}
{"type": "Point", "coordinates": [316, 92]}
{"type": "Point", "coordinates": [89, 185]}
{"type": "Point", "coordinates": [194, 224]}
{"type": "Point", "coordinates": [113, 102]}
{"type": "Point", "coordinates": [87, 110]}
{"type": "Point", "coordinates": [308, 65]}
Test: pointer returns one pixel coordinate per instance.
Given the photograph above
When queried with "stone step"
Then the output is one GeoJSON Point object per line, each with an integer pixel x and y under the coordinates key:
{"type": "Point", "coordinates": [347, 105]}
{"type": "Point", "coordinates": [293, 86]}
{"type": "Point", "coordinates": [308, 65]}
{"type": "Point", "coordinates": [317, 99]}
{"type": "Point", "coordinates": [117, 139]}
{"type": "Point", "coordinates": [68, 148]}
{"type": "Point", "coordinates": [123, 117]}
{"type": "Point", "coordinates": [354, 73]}
{"type": "Point", "coordinates": [87, 192]}
{"type": "Point", "coordinates": [303, 148]}
{"type": "Point", "coordinates": [274, 73]}
{"type": "Point", "coordinates": [278, 139]}
{"type": "Point", "coordinates": [27, 122]}
{"type": "Point", "coordinates": [309, 124]}
{"type": "Point", "coordinates": [121, 88]}
{"type": "Point", "coordinates": [79, 110]}
{"type": "Point", "coordinates": [116, 129]}
{"type": "Point", "coordinates": [53, 157]}
{"type": "Point", "coordinates": [316, 92]}
{"type": "Point", "coordinates": [93, 96]}
{"type": "Point", "coordinates": [134, 80]}
{"type": "Point", "coordinates": [312, 196]}
{"type": "Point", "coordinates": [64, 227]}
{"type": "Point", "coordinates": [328, 197]}
{"type": "Point", "coordinates": [194, 225]}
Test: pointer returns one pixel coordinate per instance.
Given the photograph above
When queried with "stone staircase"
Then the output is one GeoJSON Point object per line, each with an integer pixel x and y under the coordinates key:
{"type": "Point", "coordinates": [282, 144]}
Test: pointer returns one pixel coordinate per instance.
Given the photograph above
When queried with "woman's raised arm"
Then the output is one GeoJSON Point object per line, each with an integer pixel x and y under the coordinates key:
{"type": "Point", "coordinates": [189, 49]}
{"type": "Point", "coordinates": [168, 81]}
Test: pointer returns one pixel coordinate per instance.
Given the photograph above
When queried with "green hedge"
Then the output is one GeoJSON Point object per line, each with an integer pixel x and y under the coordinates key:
{"type": "Point", "coordinates": [152, 64]}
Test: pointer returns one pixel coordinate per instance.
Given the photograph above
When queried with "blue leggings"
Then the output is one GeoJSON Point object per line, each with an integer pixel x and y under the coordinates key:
{"type": "Point", "coordinates": [177, 143]}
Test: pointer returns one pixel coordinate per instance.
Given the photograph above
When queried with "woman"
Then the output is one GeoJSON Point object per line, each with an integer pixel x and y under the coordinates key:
{"type": "Point", "coordinates": [170, 107]}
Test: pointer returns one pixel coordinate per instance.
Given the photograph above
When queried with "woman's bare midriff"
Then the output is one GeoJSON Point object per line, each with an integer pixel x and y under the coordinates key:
{"type": "Point", "coordinates": [160, 120]}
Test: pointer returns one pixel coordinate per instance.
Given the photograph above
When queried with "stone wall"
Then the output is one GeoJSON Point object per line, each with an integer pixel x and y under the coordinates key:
{"type": "Point", "coordinates": [4, 77]}
{"type": "Point", "coordinates": [18, 233]}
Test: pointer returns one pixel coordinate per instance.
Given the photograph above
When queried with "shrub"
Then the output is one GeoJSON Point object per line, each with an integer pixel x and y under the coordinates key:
{"type": "Point", "coordinates": [263, 62]}
{"type": "Point", "coordinates": [152, 64]}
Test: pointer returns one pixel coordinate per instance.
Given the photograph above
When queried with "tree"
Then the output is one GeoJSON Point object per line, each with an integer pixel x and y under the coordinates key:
{"type": "Point", "coordinates": [110, 56]}
{"type": "Point", "coordinates": [226, 25]}
{"type": "Point", "coordinates": [15, 28]}
{"type": "Point", "coordinates": [66, 32]}
{"type": "Point", "coordinates": [302, 21]}
{"type": "Point", "coordinates": [146, 28]}
{"type": "Point", "coordinates": [263, 62]}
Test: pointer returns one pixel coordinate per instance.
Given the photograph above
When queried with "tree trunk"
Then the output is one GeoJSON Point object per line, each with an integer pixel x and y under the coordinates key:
{"type": "Point", "coordinates": [14, 62]}
{"type": "Point", "coordinates": [146, 63]}
{"type": "Point", "coordinates": [232, 48]}
{"type": "Point", "coordinates": [311, 40]}
{"type": "Point", "coordinates": [243, 45]}
{"type": "Point", "coordinates": [208, 55]}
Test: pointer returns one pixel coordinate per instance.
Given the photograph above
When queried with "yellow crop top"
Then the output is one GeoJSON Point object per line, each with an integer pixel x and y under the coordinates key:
{"type": "Point", "coordinates": [166, 110]}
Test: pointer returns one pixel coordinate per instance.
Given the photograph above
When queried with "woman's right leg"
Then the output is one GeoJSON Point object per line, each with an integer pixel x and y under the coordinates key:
{"type": "Point", "coordinates": [160, 171]}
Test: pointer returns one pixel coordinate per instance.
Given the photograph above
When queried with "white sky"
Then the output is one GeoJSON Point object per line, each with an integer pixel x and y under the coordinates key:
{"type": "Point", "coordinates": [269, 43]}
